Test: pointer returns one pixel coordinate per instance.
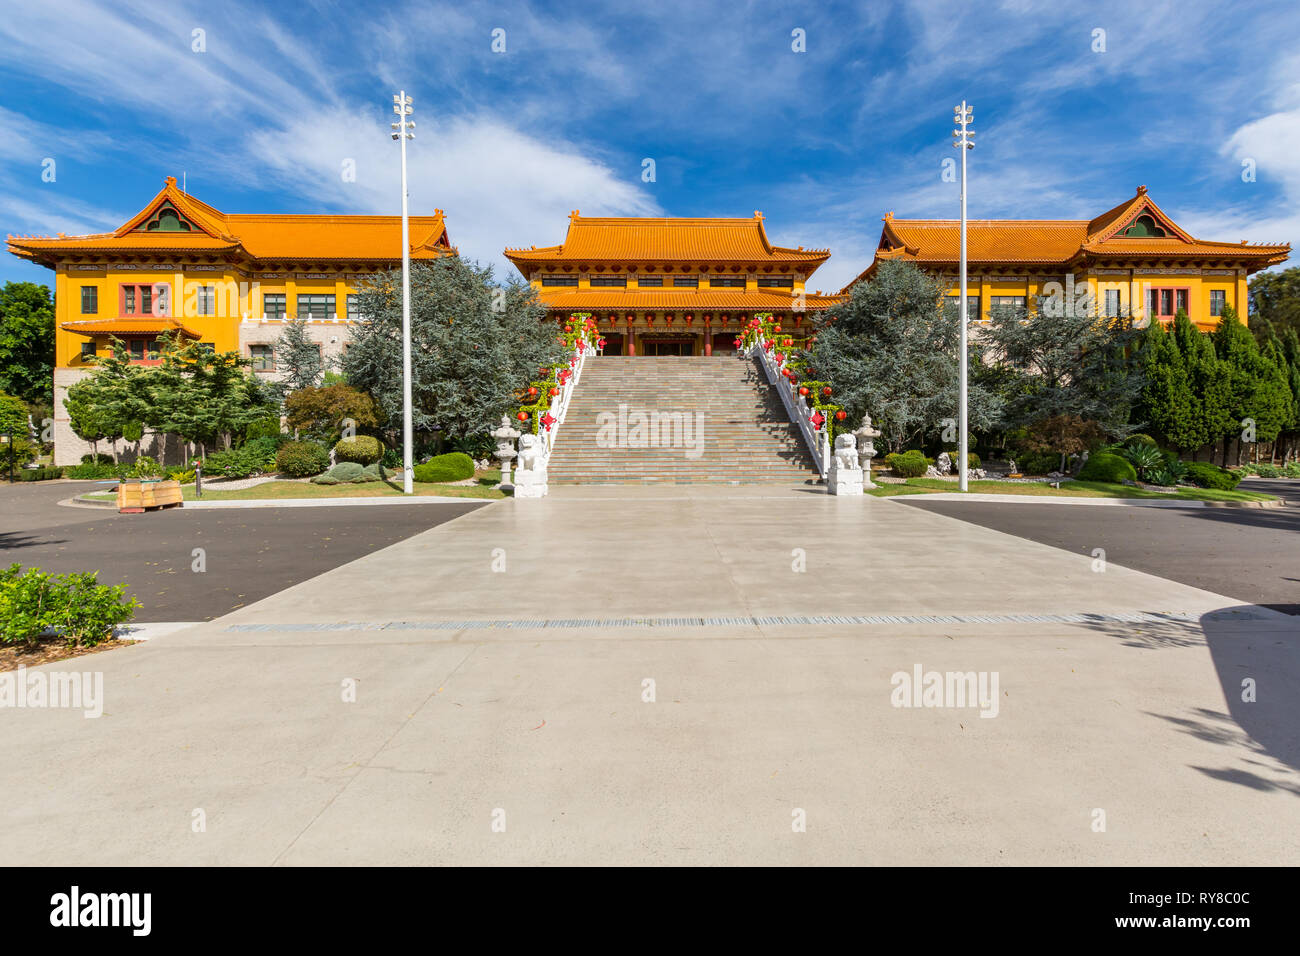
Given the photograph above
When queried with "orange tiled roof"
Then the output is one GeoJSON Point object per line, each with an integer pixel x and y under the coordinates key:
{"type": "Point", "coordinates": [258, 237]}
{"type": "Point", "coordinates": [685, 300]}
{"type": "Point", "coordinates": [665, 239]}
{"type": "Point", "coordinates": [128, 325]}
{"type": "Point", "coordinates": [936, 243]}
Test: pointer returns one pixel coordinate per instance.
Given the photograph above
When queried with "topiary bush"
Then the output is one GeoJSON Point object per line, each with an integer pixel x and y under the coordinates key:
{"type": "Point", "coordinates": [1107, 467]}
{"type": "Point", "coordinates": [362, 449]}
{"type": "Point", "coordinates": [454, 466]}
{"type": "Point", "coordinates": [100, 459]}
{"type": "Point", "coordinates": [301, 459]}
{"type": "Point", "coordinates": [908, 464]}
{"type": "Point", "coordinates": [1205, 475]}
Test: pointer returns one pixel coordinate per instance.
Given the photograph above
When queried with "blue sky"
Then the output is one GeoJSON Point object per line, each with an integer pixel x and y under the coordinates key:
{"type": "Point", "coordinates": [824, 142]}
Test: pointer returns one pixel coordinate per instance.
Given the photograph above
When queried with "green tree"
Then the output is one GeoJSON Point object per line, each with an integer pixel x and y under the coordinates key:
{"type": "Point", "coordinates": [1069, 362]}
{"type": "Point", "coordinates": [1259, 394]}
{"type": "Point", "coordinates": [473, 343]}
{"type": "Point", "coordinates": [321, 413]}
{"type": "Point", "coordinates": [1168, 405]}
{"type": "Point", "coordinates": [204, 396]}
{"type": "Point", "coordinates": [27, 342]}
{"type": "Point", "coordinates": [1275, 299]}
{"type": "Point", "coordinates": [892, 350]}
{"type": "Point", "coordinates": [298, 357]}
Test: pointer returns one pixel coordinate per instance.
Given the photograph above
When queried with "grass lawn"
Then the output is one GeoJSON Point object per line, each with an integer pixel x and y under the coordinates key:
{"type": "Point", "coordinates": [1069, 489]}
{"type": "Point", "coordinates": [272, 490]}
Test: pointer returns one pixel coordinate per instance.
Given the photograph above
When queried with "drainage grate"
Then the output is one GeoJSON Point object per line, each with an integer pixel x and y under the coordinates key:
{"type": "Point", "coordinates": [792, 620]}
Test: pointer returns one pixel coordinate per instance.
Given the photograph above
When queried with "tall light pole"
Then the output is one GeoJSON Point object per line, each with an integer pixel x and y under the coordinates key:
{"type": "Point", "coordinates": [402, 132]}
{"type": "Point", "coordinates": [964, 140]}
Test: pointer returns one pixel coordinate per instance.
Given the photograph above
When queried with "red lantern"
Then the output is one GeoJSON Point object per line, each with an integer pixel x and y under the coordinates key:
{"type": "Point", "coordinates": [631, 319]}
{"type": "Point", "coordinates": [553, 392]}
{"type": "Point", "coordinates": [532, 392]}
{"type": "Point", "coordinates": [690, 319]}
{"type": "Point", "coordinates": [522, 416]}
{"type": "Point", "coordinates": [826, 391]}
{"type": "Point", "coordinates": [803, 390]}
{"type": "Point", "coordinates": [776, 329]}
{"type": "Point", "coordinates": [841, 415]}
{"type": "Point", "coordinates": [780, 356]}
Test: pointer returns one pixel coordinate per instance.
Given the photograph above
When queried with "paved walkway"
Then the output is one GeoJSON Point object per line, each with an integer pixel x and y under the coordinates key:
{"type": "Point", "coordinates": [489, 694]}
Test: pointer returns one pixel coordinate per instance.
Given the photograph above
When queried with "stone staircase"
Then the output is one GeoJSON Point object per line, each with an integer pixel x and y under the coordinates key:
{"type": "Point", "coordinates": [685, 420]}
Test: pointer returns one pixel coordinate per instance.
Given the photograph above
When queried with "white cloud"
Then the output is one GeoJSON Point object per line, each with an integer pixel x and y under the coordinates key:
{"type": "Point", "coordinates": [498, 186]}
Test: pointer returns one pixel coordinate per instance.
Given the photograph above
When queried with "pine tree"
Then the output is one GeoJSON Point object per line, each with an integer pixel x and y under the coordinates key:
{"type": "Point", "coordinates": [473, 344]}
{"type": "Point", "coordinates": [1259, 395]}
{"type": "Point", "coordinates": [1207, 377]}
{"type": "Point", "coordinates": [298, 357]}
{"type": "Point", "coordinates": [1167, 405]}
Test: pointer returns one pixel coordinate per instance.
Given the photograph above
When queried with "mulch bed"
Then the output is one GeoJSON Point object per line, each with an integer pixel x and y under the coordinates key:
{"type": "Point", "coordinates": [49, 650]}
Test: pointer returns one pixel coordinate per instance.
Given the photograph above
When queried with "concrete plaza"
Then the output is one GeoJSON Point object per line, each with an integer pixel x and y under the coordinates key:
{"type": "Point", "coordinates": [501, 663]}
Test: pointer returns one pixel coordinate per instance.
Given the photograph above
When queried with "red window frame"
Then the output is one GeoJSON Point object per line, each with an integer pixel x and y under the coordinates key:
{"type": "Point", "coordinates": [132, 304]}
{"type": "Point", "coordinates": [1160, 296]}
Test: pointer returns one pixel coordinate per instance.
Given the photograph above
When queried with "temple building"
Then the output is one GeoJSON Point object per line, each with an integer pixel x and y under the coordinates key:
{"type": "Point", "coordinates": [231, 281]}
{"type": "Point", "coordinates": [1130, 260]}
{"type": "Point", "coordinates": [669, 286]}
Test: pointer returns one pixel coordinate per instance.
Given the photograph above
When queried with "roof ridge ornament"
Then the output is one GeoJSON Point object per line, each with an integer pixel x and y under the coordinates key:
{"type": "Point", "coordinates": [1142, 191]}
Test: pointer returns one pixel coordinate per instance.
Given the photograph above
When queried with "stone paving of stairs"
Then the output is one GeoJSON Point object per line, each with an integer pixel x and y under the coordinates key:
{"type": "Point", "coordinates": [747, 437]}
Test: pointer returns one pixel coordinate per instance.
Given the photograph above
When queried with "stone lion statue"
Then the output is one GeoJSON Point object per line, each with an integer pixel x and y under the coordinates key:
{"type": "Point", "coordinates": [530, 452]}
{"type": "Point", "coordinates": [846, 451]}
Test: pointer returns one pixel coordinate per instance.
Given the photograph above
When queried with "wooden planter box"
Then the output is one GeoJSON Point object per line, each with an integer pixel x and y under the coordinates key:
{"type": "Point", "coordinates": [135, 496]}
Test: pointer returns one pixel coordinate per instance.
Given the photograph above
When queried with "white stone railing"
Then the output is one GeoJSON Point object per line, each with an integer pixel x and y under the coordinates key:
{"type": "Point", "coordinates": [535, 449]}
{"type": "Point", "coordinates": [816, 437]}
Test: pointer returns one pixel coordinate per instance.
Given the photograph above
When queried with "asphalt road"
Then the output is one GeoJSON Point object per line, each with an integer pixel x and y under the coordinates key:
{"type": "Point", "coordinates": [248, 554]}
{"type": "Point", "coordinates": [1252, 554]}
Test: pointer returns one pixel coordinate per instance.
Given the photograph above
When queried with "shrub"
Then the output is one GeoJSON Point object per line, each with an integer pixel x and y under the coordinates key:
{"type": "Point", "coordinates": [82, 610]}
{"type": "Point", "coordinates": [1038, 462]}
{"type": "Point", "coordinates": [1140, 439]}
{"type": "Point", "coordinates": [476, 446]}
{"type": "Point", "coordinates": [90, 472]}
{"type": "Point", "coordinates": [908, 464]}
{"type": "Point", "coordinates": [344, 471]}
{"type": "Point", "coordinates": [144, 467]}
{"type": "Point", "coordinates": [39, 474]}
{"type": "Point", "coordinates": [300, 459]}
{"type": "Point", "coordinates": [1106, 467]}
{"type": "Point", "coordinates": [1292, 470]}
{"type": "Point", "coordinates": [453, 466]}
{"type": "Point", "coordinates": [263, 428]}
{"type": "Point", "coordinates": [184, 475]}
{"type": "Point", "coordinates": [256, 456]}
{"type": "Point", "coordinates": [1205, 475]}
{"type": "Point", "coordinates": [100, 459]}
{"type": "Point", "coordinates": [18, 452]}
{"type": "Point", "coordinates": [363, 449]}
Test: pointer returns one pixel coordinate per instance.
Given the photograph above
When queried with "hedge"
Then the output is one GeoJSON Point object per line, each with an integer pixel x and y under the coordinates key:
{"type": "Point", "coordinates": [301, 459]}
{"type": "Point", "coordinates": [39, 474]}
{"type": "Point", "coordinates": [1107, 467]}
{"type": "Point", "coordinates": [363, 449]}
{"type": "Point", "coordinates": [453, 466]}
{"type": "Point", "coordinates": [1205, 475]}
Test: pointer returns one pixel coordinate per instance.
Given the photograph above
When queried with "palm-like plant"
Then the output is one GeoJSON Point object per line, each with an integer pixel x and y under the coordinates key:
{"type": "Point", "coordinates": [1145, 458]}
